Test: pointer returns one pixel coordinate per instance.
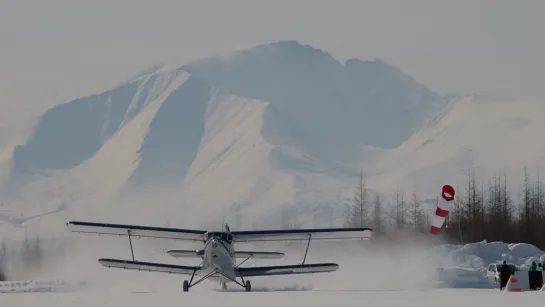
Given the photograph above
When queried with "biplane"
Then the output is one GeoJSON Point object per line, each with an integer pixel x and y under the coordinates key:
{"type": "Point", "coordinates": [218, 253]}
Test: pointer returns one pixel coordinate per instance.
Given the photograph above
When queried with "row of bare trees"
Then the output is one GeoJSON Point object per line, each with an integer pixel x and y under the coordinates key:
{"type": "Point", "coordinates": [491, 212]}
{"type": "Point", "coordinates": [17, 264]}
{"type": "Point", "coordinates": [482, 211]}
{"type": "Point", "coordinates": [370, 210]}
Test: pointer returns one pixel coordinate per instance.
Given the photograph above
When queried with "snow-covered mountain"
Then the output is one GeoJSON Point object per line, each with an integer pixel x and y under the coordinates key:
{"type": "Point", "coordinates": [488, 135]}
{"type": "Point", "coordinates": [320, 104]}
{"type": "Point", "coordinates": [275, 131]}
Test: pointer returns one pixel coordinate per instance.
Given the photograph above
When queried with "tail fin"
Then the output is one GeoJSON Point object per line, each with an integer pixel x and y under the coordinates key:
{"type": "Point", "coordinates": [226, 225]}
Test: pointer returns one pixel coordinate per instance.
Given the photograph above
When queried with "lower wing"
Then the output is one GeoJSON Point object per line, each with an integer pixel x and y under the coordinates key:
{"type": "Point", "coordinates": [244, 272]}
{"type": "Point", "coordinates": [287, 269]}
{"type": "Point", "coordinates": [150, 266]}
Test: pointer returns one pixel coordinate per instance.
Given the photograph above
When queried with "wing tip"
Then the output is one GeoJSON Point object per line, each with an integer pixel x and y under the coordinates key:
{"type": "Point", "coordinates": [105, 262]}
{"type": "Point", "coordinates": [70, 224]}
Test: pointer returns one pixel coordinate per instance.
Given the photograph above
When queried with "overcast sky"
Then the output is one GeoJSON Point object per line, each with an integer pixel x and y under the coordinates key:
{"type": "Point", "coordinates": [56, 50]}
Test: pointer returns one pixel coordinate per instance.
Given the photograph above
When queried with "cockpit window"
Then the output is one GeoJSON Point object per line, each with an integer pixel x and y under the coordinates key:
{"type": "Point", "coordinates": [222, 235]}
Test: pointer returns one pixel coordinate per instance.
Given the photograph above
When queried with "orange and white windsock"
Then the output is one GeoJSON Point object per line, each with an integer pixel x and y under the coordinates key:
{"type": "Point", "coordinates": [445, 204]}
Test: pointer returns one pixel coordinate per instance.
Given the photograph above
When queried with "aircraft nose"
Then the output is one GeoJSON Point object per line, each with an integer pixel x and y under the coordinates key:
{"type": "Point", "coordinates": [215, 243]}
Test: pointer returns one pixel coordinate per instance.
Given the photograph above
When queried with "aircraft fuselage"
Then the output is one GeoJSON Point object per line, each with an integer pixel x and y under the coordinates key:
{"type": "Point", "coordinates": [219, 255]}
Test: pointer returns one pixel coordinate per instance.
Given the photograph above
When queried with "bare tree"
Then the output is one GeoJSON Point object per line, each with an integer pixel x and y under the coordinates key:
{"type": "Point", "coordinates": [36, 254]}
{"type": "Point", "coordinates": [3, 252]}
{"type": "Point", "coordinates": [378, 217]}
{"type": "Point", "coordinates": [473, 208]}
{"type": "Point", "coordinates": [400, 211]}
{"type": "Point", "coordinates": [359, 213]}
{"type": "Point", "coordinates": [538, 211]}
{"type": "Point", "coordinates": [416, 214]}
{"type": "Point", "coordinates": [3, 261]}
{"type": "Point", "coordinates": [526, 212]}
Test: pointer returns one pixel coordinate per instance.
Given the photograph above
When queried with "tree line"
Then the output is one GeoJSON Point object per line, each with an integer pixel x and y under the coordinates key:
{"type": "Point", "coordinates": [482, 211]}
{"type": "Point", "coordinates": [19, 264]}
{"type": "Point", "coordinates": [370, 209]}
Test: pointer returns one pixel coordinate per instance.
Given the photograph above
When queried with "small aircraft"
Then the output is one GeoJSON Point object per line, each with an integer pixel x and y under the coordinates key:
{"type": "Point", "coordinates": [218, 253]}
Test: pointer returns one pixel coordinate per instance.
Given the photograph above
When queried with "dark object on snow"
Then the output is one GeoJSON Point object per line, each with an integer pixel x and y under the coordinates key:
{"type": "Point", "coordinates": [505, 273]}
{"type": "Point", "coordinates": [536, 279]}
{"type": "Point", "coordinates": [3, 276]}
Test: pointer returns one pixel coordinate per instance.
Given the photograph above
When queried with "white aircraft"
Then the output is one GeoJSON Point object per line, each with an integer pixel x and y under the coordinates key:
{"type": "Point", "coordinates": [218, 254]}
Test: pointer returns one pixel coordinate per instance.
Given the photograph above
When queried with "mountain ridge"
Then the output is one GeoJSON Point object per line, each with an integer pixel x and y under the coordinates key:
{"type": "Point", "coordinates": [109, 116]}
{"type": "Point", "coordinates": [272, 133]}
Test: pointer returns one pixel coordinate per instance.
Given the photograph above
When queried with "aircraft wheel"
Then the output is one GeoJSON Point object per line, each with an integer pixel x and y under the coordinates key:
{"type": "Point", "coordinates": [186, 286]}
{"type": "Point", "coordinates": [248, 286]}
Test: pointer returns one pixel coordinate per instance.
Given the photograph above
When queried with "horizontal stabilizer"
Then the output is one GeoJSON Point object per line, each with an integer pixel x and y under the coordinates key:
{"type": "Point", "coordinates": [303, 234]}
{"type": "Point", "coordinates": [137, 231]}
{"type": "Point", "coordinates": [149, 266]}
{"type": "Point", "coordinates": [287, 269]}
{"type": "Point", "coordinates": [259, 255]}
{"type": "Point", "coordinates": [181, 253]}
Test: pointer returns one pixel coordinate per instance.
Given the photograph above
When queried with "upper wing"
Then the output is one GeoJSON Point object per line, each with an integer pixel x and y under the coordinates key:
{"type": "Point", "coordinates": [137, 231]}
{"type": "Point", "coordinates": [303, 234]}
{"type": "Point", "coordinates": [150, 266]}
{"type": "Point", "coordinates": [287, 269]}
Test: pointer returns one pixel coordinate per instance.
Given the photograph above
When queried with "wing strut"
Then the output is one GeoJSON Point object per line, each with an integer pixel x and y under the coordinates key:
{"type": "Point", "coordinates": [244, 261]}
{"type": "Point", "coordinates": [130, 242]}
{"type": "Point", "coordinates": [308, 244]}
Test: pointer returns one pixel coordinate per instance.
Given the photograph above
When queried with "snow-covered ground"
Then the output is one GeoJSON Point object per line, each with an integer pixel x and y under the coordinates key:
{"type": "Point", "coordinates": [369, 274]}
{"type": "Point", "coordinates": [445, 298]}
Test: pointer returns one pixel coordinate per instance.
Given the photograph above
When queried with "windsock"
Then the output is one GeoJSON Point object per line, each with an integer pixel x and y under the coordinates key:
{"type": "Point", "coordinates": [445, 204]}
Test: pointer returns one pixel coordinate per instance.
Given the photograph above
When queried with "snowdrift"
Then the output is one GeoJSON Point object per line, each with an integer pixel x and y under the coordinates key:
{"type": "Point", "coordinates": [37, 286]}
{"type": "Point", "coordinates": [459, 277]}
{"type": "Point", "coordinates": [464, 266]}
{"type": "Point", "coordinates": [479, 255]}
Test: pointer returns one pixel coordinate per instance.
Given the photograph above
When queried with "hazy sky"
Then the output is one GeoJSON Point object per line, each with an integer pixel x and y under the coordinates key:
{"type": "Point", "coordinates": [56, 50]}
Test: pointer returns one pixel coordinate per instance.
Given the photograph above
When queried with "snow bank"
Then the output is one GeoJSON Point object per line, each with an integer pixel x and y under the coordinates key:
{"type": "Point", "coordinates": [37, 286]}
{"type": "Point", "coordinates": [465, 266]}
{"type": "Point", "coordinates": [459, 277]}
{"type": "Point", "coordinates": [479, 255]}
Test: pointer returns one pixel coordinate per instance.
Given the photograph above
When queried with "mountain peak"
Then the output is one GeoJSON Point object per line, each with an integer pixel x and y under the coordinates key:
{"type": "Point", "coordinates": [291, 46]}
{"type": "Point", "coordinates": [284, 52]}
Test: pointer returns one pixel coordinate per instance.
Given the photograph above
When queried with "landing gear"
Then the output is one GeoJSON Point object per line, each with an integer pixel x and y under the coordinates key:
{"type": "Point", "coordinates": [188, 284]}
{"type": "Point", "coordinates": [248, 286]}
